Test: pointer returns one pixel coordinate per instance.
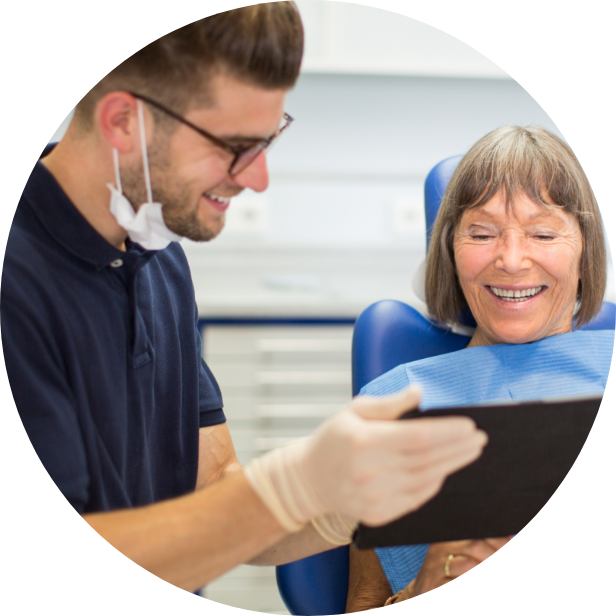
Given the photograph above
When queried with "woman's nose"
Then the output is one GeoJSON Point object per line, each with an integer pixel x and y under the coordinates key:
{"type": "Point", "coordinates": [255, 176]}
{"type": "Point", "coordinates": [513, 254]}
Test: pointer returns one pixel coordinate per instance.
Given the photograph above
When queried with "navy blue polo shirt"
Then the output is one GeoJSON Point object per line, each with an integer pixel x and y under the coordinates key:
{"type": "Point", "coordinates": [103, 356]}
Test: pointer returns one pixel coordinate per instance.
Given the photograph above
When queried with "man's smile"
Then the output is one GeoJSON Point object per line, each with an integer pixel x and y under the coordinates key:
{"type": "Point", "coordinates": [218, 202]}
{"type": "Point", "coordinates": [218, 197]}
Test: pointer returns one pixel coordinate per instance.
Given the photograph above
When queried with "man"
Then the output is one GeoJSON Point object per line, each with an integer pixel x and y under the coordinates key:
{"type": "Point", "coordinates": [98, 322]}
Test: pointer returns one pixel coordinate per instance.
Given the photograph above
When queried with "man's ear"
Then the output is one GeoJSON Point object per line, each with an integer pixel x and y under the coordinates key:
{"type": "Point", "coordinates": [116, 116]}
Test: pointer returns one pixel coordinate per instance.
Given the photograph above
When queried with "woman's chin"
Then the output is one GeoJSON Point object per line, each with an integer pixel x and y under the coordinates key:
{"type": "Point", "coordinates": [515, 335]}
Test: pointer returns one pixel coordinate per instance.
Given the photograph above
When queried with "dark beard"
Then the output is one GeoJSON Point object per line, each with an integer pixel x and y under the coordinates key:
{"type": "Point", "coordinates": [179, 214]}
{"type": "Point", "coordinates": [190, 227]}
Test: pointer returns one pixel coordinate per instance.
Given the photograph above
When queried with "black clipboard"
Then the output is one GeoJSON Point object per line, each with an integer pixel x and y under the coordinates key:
{"type": "Point", "coordinates": [531, 449]}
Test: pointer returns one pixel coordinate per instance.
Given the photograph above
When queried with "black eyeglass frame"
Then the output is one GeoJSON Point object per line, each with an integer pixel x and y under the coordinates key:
{"type": "Point", "coordinates": [237, 151]}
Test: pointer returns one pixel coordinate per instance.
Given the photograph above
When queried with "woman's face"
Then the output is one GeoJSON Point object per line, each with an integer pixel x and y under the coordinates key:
{"type": "Point", "coordinates": [519, 270]}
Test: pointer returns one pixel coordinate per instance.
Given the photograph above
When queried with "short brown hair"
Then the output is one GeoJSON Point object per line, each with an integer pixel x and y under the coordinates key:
{"type": "Point", "coordinates": [516, 160]}
{"type": "Point", "coordinates": [261, 44]}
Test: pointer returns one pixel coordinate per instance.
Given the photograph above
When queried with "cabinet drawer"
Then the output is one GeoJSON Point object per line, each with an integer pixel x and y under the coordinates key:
{"type": "Point", "coordinates": [283, 339]}
{"type": "Point", "coordinates": [242, 374]}
{"type": "Point", "coordinates": [278, 382]}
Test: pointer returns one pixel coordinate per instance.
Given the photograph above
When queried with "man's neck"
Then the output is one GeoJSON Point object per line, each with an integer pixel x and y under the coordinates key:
{"type": "Point", "coordinates": [81, 169]}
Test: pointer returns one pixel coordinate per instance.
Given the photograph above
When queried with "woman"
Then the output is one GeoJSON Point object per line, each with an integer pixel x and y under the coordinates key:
{"type": "Point", "coordinates": [518, 240]}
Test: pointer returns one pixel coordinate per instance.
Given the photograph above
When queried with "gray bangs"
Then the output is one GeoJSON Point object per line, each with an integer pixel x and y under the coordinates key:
{"type": "Point", "coordinates": [513, 160]}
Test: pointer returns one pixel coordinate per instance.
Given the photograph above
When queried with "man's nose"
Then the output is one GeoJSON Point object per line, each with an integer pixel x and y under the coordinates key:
{"type": "Point", "coordinates": [513, 254]}
{"type": "Point", "coordinates": [255, 176]}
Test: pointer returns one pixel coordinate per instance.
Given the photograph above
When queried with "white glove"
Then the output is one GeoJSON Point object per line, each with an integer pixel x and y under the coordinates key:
{"type": "Point", "coordinates": [363, 466]}
{"type": "Point", "coordinates": [336, 528]}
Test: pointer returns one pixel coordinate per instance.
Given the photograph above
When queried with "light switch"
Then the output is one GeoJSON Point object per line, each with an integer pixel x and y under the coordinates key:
{"type": "Point", "coordinates": [407, 216]}
{"type": "Point", "coordinates": [249, 215]}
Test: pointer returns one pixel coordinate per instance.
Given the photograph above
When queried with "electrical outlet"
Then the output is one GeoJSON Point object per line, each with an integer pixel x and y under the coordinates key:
{"type": "Point", "coordinates": [407, 216]}
{"type": "Point", "coordinates": [247, 216]}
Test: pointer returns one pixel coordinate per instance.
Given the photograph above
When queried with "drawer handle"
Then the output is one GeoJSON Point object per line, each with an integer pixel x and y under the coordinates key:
{"type": "Point", "coordinates": [331, 377]}
{"type": "Point", "coordinates": [297, 410]}
{"type": "Point", "coordinates": [265, 443]}
{"type": "Point", "coordinates": [303, 345]}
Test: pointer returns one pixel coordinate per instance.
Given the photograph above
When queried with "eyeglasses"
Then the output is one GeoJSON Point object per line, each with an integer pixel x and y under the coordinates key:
{"type": "Point", "coordinates": [243, 156]}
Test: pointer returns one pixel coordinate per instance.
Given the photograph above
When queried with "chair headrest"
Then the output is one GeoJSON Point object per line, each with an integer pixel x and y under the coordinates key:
{"type": "Point", "coordinates": [434, 189]}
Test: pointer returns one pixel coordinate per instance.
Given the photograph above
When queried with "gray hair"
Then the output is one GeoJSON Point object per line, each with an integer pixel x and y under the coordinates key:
{"type": "Point", "coordinates": [515, 160]}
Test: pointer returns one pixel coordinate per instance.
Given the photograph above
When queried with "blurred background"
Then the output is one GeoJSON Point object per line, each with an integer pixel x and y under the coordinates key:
{"type": "Point", "coordinates": [381, 99]}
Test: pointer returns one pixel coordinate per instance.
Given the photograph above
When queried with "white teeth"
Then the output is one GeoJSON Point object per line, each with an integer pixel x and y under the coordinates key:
{"type": "Point", "coordinates": [515, 296]}
{"type": "Point", "coordinates": [217, 198]}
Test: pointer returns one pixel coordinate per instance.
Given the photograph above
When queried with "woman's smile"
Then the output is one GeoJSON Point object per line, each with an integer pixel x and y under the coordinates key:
{"type": "Point", "coordinates": [516, 295]}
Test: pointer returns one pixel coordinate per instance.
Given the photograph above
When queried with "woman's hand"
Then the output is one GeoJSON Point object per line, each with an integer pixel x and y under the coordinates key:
{"type": "Point", "coordinates": [450, 559]}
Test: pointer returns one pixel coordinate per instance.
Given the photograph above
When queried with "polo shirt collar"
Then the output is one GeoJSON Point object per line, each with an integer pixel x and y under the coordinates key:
{"type": "Point", "coordinates": [66, 224]}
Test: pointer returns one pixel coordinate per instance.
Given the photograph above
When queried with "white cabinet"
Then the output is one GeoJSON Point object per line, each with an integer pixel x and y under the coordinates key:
{"type": "Point", "coordinates": [278, 381]}
{"type": "Point", "coordinates": [350, 38]}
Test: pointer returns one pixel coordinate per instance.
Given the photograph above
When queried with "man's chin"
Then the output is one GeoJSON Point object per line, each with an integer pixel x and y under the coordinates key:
{"type": "Point", "coordinates": [210, 233]}
{"type": "Point", "coordinates": [195, 230]}
{"type": "Point", "coordinates": [204, 235]}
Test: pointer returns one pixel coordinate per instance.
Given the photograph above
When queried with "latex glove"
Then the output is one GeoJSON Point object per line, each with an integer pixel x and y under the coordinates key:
{"type": "Point", "coordinates": [364, 466]}
{"type": "Point", "coordinates": [335, 528]}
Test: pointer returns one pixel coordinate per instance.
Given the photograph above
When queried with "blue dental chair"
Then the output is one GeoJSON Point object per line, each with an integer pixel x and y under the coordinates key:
{"type": "Point", "coordinates": [387, 333]}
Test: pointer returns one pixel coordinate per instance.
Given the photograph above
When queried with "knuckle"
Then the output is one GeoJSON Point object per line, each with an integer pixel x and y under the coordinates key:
{"type": "Point", "coordinates": [371, 500]}
{"type": "Point", "coordinates": [360, 440]}
{"type": "Point", "coordinates": [362, 476]}
{"type": "Point", "coordinates": [421, 435]}
{"type": "Point", "coordinates": [363, 403]}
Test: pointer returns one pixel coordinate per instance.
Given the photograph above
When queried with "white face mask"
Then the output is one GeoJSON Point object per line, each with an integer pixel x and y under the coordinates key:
{"type": "Point", "coordinates": [146, 226]}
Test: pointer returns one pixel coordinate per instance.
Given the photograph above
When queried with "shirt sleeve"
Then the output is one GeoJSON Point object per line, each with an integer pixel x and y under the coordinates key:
{"type": "Point", "coordinates": [41, 389]}
{"type": "Point", "coordinates": [210, 396]}
{"type": "Point", "coordinates": [210, 399]}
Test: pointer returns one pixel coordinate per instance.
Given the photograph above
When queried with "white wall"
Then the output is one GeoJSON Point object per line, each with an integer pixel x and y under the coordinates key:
{"type": "Point", "coordinates": [361, 142]}
{"type": "Point", "coordinates": [369, 126]}
{"type": "Point", "coordinates": [349, 38]}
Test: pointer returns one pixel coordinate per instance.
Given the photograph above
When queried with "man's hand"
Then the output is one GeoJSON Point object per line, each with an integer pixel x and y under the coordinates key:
{"type": "Point", "coordinates": [365, 466]}
{"type": "Point", "coordinates": [375, 469]}
{"type": "Point", "coordinates": [449, 560]}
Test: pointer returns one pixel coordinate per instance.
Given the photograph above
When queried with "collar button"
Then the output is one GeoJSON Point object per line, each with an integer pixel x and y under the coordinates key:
{"type": "Point", "coordinates": [117, 263]}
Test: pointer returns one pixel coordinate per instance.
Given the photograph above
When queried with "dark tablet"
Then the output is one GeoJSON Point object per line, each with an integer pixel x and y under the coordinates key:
{"type": "Point", "coordinates": [532, 447]}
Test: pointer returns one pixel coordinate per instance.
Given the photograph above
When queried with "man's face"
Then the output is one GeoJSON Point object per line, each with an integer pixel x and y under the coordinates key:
{"type": "Point", "coordinates": [190, 174]}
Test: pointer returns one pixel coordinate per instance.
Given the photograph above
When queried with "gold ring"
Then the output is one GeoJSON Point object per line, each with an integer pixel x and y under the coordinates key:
{"type": "Point", "coordinates": [447, 573]}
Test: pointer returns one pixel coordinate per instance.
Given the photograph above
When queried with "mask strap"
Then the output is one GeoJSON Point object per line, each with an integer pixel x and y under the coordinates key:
{"type": "Point", "coordinates": [144, 151]}
{"type": "Point", "coordinates": [116, 166]}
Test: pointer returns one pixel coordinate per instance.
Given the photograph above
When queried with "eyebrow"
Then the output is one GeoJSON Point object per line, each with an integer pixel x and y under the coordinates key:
{"type": "Point", "coordinates": [546, 214]}
{"type": "Point", "coordinates": [483, 212]}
